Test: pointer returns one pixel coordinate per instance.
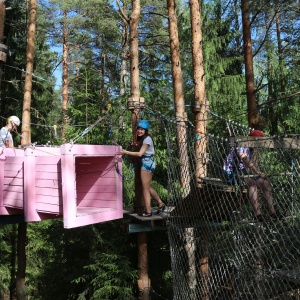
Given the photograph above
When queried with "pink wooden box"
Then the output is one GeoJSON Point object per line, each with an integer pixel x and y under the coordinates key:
{"type": "Point", "coordinates": [42, 183]}
{"type": "Point", "coordinates": [81, 183]}
{"type": "Point", "coordinates": [11, 181]}
{"type": "Point", "coordinates": [92, 184]}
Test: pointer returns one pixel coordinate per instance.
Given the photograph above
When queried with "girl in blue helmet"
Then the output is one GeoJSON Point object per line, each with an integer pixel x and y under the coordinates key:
{"type": "Point", "coordinates": [146, 153]}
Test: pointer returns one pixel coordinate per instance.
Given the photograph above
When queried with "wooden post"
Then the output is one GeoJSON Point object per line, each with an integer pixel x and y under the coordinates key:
{"type": "Point", "coordinates": [248, 57]}
{"type": "Point", "coordinates": [134, 105]}
{"type": "Point", "coordinates": [199, 108]}
{"type": "Point", "coordinates": [65, 78]}
{"type": "Point", "coordinates": [133, 101]}
{"type": "Point", "coordinates": [144, 283]}
{"type": "Point", "coordinates": [181, 117]}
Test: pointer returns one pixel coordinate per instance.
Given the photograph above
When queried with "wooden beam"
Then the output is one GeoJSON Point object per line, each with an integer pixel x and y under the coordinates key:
{"type": "Point", "coordinates": [272, 143]}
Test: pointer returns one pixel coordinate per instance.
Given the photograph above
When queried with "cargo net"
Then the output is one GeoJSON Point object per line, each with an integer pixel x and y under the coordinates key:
{"type": "Point", "coordinates": [219, 249]}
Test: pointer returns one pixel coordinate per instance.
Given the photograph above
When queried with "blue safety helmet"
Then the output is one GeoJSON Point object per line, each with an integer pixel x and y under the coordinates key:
{"type": "Point", "coordinates": [143, 124]}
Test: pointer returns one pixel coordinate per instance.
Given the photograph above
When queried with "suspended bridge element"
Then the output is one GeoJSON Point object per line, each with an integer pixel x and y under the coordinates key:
{"type": "Point", "coordinates": [79, 183]}
{"type": "Point", "coordinates": [218, 249]}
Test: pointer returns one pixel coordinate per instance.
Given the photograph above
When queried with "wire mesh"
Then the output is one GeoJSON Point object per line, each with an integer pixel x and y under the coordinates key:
{"type": "Point", "coordinates": [219, 249]}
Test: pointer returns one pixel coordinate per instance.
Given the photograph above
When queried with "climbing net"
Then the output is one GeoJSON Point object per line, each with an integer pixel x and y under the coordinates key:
{"type": "Point", "coordinates": [218, 249]}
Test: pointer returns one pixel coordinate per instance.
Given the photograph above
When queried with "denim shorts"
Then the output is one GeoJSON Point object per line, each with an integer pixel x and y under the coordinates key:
{"type": "Point", "coordinates": [148, 164]}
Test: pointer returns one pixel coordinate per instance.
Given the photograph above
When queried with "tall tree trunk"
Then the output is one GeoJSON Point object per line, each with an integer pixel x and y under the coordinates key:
{"type": "Point", "coordinates": [3, 48]}
{"type": "Point", "coordinates": [181, 117]}
{"type": "Point", "coordinates": [65, 80]}
{"type": "Point", "coordinates": [124, 54]}
{"type": "Point", "coordinates": [124, 57]}
{"type": "Point", "coordinates": [271, 96]}
{"type": "Point", "coordinates": [2, 18]}
{"type": "Point", "coordinates": [199, 110]}
{"type": "Point", "coordinates": [102, 105]}
{"type": "Point", "coordinates": [135, 93]}
{"type": "Point", "coordinates": [280, 52]}
{"type": "Point", "coordinates": [199, 107]}
{"type": "Point", "coordinates": [21, 253]}
{"type": "Point", "coordinates": [26, 133]}
{"type": "Point", "coordinates": [144, 283]}
{"type": "Point", "coordinates": [248, 57]}
{"type": "Point", "coordinates": [124, 71]}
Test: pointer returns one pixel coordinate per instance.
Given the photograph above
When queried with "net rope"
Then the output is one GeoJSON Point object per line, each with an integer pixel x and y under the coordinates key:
{"type": "Point", "coordinates": [218, 249]}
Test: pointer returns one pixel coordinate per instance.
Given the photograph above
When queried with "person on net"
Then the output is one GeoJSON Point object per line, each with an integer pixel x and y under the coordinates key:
{"type": "Point", "coordinates": [145, 151]}
{"type": "Point", "coordinates": [239, 161]}
{"type": "Point", "coordinates": [6, 139]}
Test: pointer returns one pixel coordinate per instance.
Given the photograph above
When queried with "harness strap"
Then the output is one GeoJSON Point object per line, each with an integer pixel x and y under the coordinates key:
{"type": "Point", "coordinates": [147, 156]}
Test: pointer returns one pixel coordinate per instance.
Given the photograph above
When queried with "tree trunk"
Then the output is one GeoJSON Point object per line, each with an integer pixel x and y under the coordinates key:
{"type": "Point", "coordinates": [28, 77]}
{"type": "Point", "coordinates": [272, 114]}
{"type": "Point", "coordinates": [135, 93]}
{"type": "Point", "coordinates": [280, 53]}
{"type": "Point", "coordinates": [3, 49]}
{"type": "Point", "coordinates": [248, 57]}
{"type": "Point", "coordinates": [2, 18]}
{"type": "Point", "coordinates": [21, 252]}
{"type": "Point", "coordinates": [26, 133]}
{"type": "Point", "coordinates": [181, 117]}
{"type": "Point", "coordinates": [65, 80]}
{"type": "Point", "coordinates": [200, 145]}
{"type": "Point", "coordinates": [124, 71]}
{"type": "Point", "coordinates": [144, 281]}
{"type": "Point", "coordinates": [102, 105]}
{"type": "Point", "coordinates": [200, 107]}
{"type": "Point", "coordinates": [124, 54]}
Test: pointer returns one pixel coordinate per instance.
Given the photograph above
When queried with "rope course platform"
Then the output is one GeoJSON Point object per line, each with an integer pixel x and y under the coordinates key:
{"type": "Point", "coordinates": [218, 249]}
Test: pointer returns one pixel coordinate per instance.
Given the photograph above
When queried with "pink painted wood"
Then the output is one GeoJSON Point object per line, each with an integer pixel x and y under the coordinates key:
{"type": "Point", "coordinates": [11, 181]}
{"type": "Point", "coordinates": [42, 183]}
{"type": "Point", "coordinates": [80, 183]}
{"type": "Point", "coordinates": [92, 186]}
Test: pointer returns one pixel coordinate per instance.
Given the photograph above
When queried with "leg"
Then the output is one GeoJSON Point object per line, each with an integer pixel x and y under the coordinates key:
{"type": "Point", "coordinates": [146, 178]}
{"type": "Point", "coordinates": [253, 195]}
{"type": "Point", "coordinates": [265, 186]}
{"type": "Point", "coordinates": [155, 196]}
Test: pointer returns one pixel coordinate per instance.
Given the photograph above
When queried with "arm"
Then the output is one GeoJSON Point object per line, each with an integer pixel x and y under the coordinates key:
{"type": "Point", "coordinates": [247, 161]}
{"type": "Point", "coordinates": [9, 144]}
{"type": "Point", "coordinates": [136, 154]}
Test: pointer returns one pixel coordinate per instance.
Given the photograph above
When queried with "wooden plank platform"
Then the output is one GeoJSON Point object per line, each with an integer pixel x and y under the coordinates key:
{"type": "Point", "coordinates": [128, 212]}
{"type": "Point", "coordinates": [264, 142]}
{"type": "Point", "coordinates": [219, 185]}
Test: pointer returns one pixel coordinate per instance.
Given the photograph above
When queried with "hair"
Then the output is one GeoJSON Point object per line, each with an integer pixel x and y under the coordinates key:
{"type": "Point", "coordinates": [140, 139]}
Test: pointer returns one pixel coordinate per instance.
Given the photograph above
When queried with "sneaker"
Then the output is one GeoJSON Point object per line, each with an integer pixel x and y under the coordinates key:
{"type": "Point", "coordinates": [145, 214]}
{"type": "Point", "coordinates": [161, 208]}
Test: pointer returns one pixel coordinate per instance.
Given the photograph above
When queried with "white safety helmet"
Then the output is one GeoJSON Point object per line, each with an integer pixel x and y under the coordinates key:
{"type": "Point", "coordinates": [15, 120]}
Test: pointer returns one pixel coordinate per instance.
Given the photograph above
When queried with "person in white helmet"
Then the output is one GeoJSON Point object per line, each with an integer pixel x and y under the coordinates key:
{"type": "Point", "coordinates": [6, 139]}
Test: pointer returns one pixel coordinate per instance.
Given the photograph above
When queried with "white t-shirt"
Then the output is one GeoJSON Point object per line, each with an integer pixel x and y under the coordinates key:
{"type": "Point", "coordinates": [148, 141]}
{"type": "Point", "coordinates": [5, 136]}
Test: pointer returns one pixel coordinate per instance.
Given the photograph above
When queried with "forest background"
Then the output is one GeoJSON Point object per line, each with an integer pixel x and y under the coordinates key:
{"type": "Point", "coordinates": [99, 261]}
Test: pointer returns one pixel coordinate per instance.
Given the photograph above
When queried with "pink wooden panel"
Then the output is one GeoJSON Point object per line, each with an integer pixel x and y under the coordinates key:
{"type": "Point", "coordinates": [98, 181]}
{"type": "Point", "coordinates": [11, 181]}
{"type": "Point", "coordinates": [98, 203]}
{"type": "Point", "coordinates": [47, 210]}
{"type": "Point", "coordinates": [54, 183]}
{"type": "Point", "coordinates": [48, 191]}
{"type": "Point", "coordinates": [42, 183]}
{"type": "Point", "coordinates": [108, 188]}
{"type": "Point", "coordinates": [83, 168]}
